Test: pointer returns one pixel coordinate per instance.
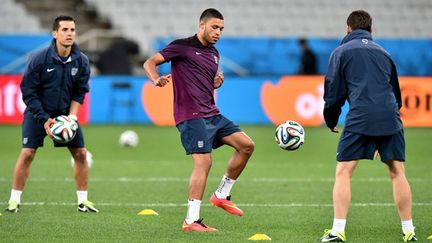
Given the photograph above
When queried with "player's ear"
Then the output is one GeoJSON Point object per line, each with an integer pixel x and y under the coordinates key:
{"type": "Point", "coordinates": [54, 34]}
{"type": "Point", "coordinates": [349, 30]}
{"type": "Point", "coordinates": [201, 25]}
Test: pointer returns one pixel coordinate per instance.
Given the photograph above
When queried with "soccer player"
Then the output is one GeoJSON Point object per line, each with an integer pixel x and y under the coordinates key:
{"type": "Point", "coordinates": [363, 73]}
{"type": "Point", "coordinates": [54, 83]}
{"type": "Point", "coordinates": [195, 75]}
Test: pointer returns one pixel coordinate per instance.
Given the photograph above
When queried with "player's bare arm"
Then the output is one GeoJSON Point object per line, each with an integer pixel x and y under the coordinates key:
{"type": "Point", "coordinates": [218, 80]}
{"type": "Point", "coordinates": [151, 72]}
{"type": "Point", "coordinates": [73, 110]}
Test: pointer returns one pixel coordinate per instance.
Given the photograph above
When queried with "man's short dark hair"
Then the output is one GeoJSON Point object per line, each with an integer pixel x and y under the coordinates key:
{"type": "Point", "coordinates": [302, 41]}
{"type": "Point", "coordinates": [56, 23]}
{"type": "Point", "coordinates": [360, 19]}
{"type": "Point", "coordinates": [210, 13]}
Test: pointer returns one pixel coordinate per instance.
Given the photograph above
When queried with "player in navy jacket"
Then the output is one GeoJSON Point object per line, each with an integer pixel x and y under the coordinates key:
{"type": "Point", "coordinates": [50, 83]}
{"type": "Point", "coordinates": [363, 73]}
{"type": "Point", "coordinates": [54, 83]}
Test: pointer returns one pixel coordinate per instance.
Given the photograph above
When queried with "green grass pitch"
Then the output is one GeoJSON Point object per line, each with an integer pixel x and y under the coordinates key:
{"type": "Point", "coordinates": [285, 195]}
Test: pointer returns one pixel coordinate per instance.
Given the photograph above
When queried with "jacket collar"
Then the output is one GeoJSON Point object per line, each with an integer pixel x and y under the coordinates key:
{"type": "Point", "coordinates": [357, 34]}
{"type": "Point", "coordinates": [75, 52]}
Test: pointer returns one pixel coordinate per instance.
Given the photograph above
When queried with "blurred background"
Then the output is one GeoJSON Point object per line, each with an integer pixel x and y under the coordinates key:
{"type": "Point", "coordinates": [273, 51]}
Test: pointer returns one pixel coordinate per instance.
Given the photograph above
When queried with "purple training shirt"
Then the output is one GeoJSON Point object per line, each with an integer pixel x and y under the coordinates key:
{"type": "Point", "coordinates": [193, 68]}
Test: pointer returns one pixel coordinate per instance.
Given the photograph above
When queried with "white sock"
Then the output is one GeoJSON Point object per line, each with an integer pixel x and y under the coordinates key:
{"type": "Point", "coordinates": [193, 211]}
{"type": "Point", "coordinates": [338, 226]}
{"type": "Point", "coordinates": [407, 225]}
{"type": "Point", "coordinates": [82, 196]}
{"type": "Point", "coordinates": [15, 196]}
{"type": "Point", "coordinates": [224, 189]}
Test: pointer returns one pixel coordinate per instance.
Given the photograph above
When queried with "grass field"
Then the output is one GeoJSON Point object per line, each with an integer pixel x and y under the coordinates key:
{"type": "Point", "coordinates": [286, 195]}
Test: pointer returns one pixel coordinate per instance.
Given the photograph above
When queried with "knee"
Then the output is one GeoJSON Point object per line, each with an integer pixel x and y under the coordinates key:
{"type": "Point", "coordinates": [344, 172]}
{"type": "Point", "coordinates": [27, 155]}
{"type": "Point", "coordinates": [248, 148]}
{"type": "Point", "coordinates": [395, 174]}
{"type": "Point", "coordinates": [202, 160]}
{"type": "Point", "coordinates": [396, 170]}
{"type": "Point", "coordinates": [80, 155]}
{"type": "Point", "coordinates": [202, 166]}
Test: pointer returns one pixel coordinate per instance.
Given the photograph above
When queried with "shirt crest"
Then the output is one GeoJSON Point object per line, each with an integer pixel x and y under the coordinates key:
{"type": "Point", "coordinates": [74, 71]}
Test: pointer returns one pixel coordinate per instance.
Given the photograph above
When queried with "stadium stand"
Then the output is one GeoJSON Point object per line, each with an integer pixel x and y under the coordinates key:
{"type": "Point", "coordinates": [274, 27]}
{"type": "Point", "coordinates": [144, 20]}
{"type": "Point", "coordinates": [47, 10]}
{"type": "Point", "coordinates": [15, 19]}
{"type": "Point", "coordinates": [26, 26]}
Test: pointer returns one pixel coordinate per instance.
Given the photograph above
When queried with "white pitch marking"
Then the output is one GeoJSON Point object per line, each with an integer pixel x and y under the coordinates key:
{"type": "Point", "coordinates": [186, 179]}
{"type": "Point", "coordinates": [275, 205]}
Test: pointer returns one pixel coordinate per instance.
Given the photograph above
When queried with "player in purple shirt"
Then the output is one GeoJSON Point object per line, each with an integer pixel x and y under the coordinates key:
{"type": "Point", "coordinates": [194, 67]}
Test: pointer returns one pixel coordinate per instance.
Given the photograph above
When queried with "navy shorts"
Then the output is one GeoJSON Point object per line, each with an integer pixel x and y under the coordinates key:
{"type": "Point", "coordinates": [201, 135]}
{"type": "Point", "coordinates": [354, 146]}
{"type": "Point", "coordinates": [33, 135]}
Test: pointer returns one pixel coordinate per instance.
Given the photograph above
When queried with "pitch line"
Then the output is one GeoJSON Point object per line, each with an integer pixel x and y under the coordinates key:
{"type": "Point", "coordinates": [275, 205]}
{"type": "Point", "coordinates": [186, 179]}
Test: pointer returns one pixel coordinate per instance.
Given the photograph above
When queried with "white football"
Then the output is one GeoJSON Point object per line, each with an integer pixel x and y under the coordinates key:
{"type": "Point", "coordinates": [290, 135]}
{"type": "Point", "coordinates": [89, 157]}
{"type": "Point", "coordinates": [64, 130]}
{"type": "Point", "coordinates": [129, 138]}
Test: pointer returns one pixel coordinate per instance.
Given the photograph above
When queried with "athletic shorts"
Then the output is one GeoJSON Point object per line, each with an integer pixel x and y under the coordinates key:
{"type": "Point", "coordinates": [201, 135]}
{"type": "Point", "coordinates": [354, 146]}
{"type": "Point", "coordinates": [33, 134]}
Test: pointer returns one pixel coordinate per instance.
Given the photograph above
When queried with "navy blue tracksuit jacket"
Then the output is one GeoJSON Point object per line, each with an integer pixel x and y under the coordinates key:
{"type": "Point", "coordinates": [363, 73]}
{"type": "Point", "coordinates": [50, 84]}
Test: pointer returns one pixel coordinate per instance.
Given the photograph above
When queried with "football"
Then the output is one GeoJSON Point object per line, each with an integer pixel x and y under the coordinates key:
{"type": "Point", "coordinates": [129, 138]}
{"type": "Point", "coordinates": [89, 157]}
{"type": "Point", "coordinates": [64, 130]}
{"type": "Point", "coordinates": [289, 135]}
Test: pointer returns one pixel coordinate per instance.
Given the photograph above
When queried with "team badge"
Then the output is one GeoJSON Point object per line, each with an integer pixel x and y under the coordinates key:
{"type": "Point", "coordinates": [74, 71]}
{"type": "Point", "coordinates": [216, 59]}
{"type": "Point", "coordinates": [200, 144]}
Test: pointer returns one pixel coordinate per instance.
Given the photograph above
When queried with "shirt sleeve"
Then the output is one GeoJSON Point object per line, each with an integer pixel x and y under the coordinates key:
{"type": "Point", "coordinates": [335, 91]}
{"type": "Point", "coordinates": [172, 51]}
{"type": "Point", "coordinates": [30, 84]}
{"type": "Point", "coordinates": [394, 82]}
{"type": "Point", "coordinates": [82, 86]}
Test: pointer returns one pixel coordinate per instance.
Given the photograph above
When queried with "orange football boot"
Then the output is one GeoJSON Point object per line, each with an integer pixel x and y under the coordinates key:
{"type": "Point", "coordinates": [226, 204]}
{"type": "Point", "coordinates": [198, 226]}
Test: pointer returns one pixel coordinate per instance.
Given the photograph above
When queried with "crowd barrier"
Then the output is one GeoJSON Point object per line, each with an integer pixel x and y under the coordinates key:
{"type": "Point", "coordinates": [259, 100]}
